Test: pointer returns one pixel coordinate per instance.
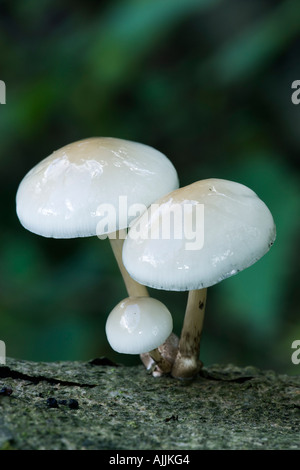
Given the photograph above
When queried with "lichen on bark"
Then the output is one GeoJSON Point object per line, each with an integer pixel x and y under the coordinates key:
{"type": "Point", "coordinates": [124, 408]}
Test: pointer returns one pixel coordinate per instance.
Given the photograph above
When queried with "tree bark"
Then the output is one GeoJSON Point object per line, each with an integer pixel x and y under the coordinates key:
{"type": "Point", "coordinates": [101, 405]}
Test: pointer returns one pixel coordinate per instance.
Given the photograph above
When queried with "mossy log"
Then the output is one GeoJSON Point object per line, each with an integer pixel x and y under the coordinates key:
{"type": "Point", "coordinates": [102, 405]}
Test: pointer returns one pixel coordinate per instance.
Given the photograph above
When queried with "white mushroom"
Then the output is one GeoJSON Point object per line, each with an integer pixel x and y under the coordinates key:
{"type": "Point", "coordinates": [138, 325]}
{"type": "Point", "coordinates": [65, 195]}
{"type": "Point", "coordinates": [62, 196]}
{"type": "Point", "coordinates": [220, 228]}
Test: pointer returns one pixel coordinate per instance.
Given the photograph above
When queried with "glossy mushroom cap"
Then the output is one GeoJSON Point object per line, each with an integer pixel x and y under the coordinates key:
{"type": "Point", "coordinates": [138, 324]}
{"type": "Point", "coordinates": [60, 196]}
{"type": "Point", "coordinates": [235, 226]}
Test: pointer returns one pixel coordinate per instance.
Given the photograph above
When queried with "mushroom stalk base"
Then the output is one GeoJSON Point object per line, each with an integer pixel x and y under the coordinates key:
{"type": "Point", "coordinates": [160, 361]}
{"type": "Point", "coordinates": [187, 363]}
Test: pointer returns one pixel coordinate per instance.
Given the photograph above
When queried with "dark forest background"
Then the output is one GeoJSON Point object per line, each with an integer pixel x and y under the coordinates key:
{"type": "Point", "coordinates": [208, 83]}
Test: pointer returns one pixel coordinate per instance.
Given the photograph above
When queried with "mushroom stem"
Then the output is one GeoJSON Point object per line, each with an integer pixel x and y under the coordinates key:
{"type": "Point", "coordinates": [160, 361]}
{"type": "Point", "coordinates": [187, 363]}
{"type": "Point", "coordinates": [135, 289]}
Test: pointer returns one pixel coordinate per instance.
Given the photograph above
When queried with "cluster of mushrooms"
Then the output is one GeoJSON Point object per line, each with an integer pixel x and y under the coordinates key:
{"type": "Point", "coordinates": [64, 196]}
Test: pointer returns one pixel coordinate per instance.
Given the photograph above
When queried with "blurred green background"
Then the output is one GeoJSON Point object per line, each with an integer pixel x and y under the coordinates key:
{"type": "Point", "coordinates": [208, 83]}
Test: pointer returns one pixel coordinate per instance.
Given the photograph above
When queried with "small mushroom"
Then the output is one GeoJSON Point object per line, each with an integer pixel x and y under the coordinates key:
{"type": "Point", "coordinates": [138, 325]}
{"type": "Point", "coordinates": [232, 229]}
{"type": "Point", "coordinates": [65, 195]}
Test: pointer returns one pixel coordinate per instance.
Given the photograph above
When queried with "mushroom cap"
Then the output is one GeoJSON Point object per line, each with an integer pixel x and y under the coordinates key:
{"type": "Point", "coordinates": [237, 229]}
{"type": "Point", "coordinates": [138, 324]}
{"type": "Point", "coordinates": [61, 195]}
